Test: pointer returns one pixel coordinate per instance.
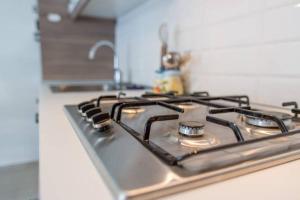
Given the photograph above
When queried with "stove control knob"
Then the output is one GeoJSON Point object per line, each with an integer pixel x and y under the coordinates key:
{"type": "Point", "coordinates": [86, 108]}
{"type": "Point", "coordinates": [79, 106]}
{"type": "Point", "coordinates": [101, 121]}
{"type": "Point", "coordinates": [191, 129]}
{"type": "Point", "coordinates": [91, 113]}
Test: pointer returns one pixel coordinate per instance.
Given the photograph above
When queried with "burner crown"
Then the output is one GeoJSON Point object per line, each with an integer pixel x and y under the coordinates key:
{"type": "Point", "coordinates": [191, 128]}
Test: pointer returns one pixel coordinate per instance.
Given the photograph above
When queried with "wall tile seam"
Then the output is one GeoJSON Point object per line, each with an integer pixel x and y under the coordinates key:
{"type": "Point", "coordinates": [244, 46]}
{"type": "Point", "coordinates": [259, 75]}
{"type": "Point", "coordinates": [262, 11]}
{"type": "Point", "coordinates": [285, 4]}
{"type": "Point", "coordinates": [140, 8]}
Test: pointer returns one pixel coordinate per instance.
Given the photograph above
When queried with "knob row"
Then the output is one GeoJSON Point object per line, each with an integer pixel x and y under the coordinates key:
{"type": "Point", "coordinates": [93, 114]}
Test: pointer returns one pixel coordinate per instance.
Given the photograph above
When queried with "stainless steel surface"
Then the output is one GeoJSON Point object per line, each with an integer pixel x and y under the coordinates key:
{"type": "Point", "coordinates": [102, 124]}
{"type": "Point", "coordinates": [131, 171]}
{"type": "Point", "coordinates": [117, 70]}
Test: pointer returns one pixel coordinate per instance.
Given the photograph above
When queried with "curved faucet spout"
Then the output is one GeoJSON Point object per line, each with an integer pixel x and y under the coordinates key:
{"type": "Point", "coordinates": [97, 45]}
{"type": "Point", "coordinates": [109, 44]}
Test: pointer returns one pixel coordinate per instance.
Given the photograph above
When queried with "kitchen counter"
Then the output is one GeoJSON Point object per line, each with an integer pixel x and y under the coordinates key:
{"type": "Point", "coordinates": [67, 173]}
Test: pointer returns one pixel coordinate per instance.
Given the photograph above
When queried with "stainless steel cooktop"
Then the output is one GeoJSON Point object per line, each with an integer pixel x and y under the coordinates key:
{"type": "Point", "coordinates": [158, 144]}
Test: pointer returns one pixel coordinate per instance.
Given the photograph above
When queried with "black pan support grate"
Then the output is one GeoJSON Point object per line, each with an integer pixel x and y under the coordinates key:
{"type": "Point", "coordinates": [294, 110]}
{"type": "Point", "coordinates": [204, 99]}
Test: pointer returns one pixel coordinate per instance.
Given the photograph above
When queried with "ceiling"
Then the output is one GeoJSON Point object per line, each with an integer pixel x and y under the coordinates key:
{"type": "Point", "coordinates": [109, 8]}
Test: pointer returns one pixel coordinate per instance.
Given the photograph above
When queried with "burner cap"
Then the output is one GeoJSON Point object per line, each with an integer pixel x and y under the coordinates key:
{"type": "Point", "coordinates": [191, 128]}
{"type": "Point", "coordinates": [187, 105]}
{"type": "Point", "coordinates": [133, 110]}
{"type": "Point", "coordinates": [266, 123]}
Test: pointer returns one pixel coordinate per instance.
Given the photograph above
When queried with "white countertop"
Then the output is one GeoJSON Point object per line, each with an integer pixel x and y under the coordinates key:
{"type": "Point", "coordinates": [67, 173]}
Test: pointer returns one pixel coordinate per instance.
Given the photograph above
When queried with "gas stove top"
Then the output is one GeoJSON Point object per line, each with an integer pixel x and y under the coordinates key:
{"type": "Point", "coordinates": [159, 144]}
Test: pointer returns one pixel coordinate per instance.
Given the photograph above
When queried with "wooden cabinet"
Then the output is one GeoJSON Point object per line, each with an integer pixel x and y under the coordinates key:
{"type": "Point", "coordinates": [65, 44]}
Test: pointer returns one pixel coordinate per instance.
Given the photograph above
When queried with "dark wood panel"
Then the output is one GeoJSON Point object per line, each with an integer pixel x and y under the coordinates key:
{"type": "Point", "coordinates": [65, 45]}
{"type": "Point", "coordinates": [61, 50]}
{"type": "Point", "coordinates": [80, 27]}
{"type": "Point", "coordinates": [57, 6]}
{"type": "Point", "coordinates": [59, 70]}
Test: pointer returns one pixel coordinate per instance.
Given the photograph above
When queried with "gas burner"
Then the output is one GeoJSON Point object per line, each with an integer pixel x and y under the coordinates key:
{"type": "Point", "coordinates": [191, 129]}
{"type": "Point", "coordinates": [198, 142]}
{"type": "Point", "coordinates": [205, 141]}
{"type": "Point", "coordinates": [216, 133]}
{"type": "Point", "coordinates": [191, 134]}
{"type": "Point", "coordinates": [266, 123]}
{"type": "Point", "coordinates": [187, 105]}
{"type": "Point", "coordinates": [133, 110]}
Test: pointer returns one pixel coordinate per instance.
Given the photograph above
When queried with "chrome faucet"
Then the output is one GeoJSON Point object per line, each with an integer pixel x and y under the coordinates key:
{"type": "Point", "coordinates": [117, 70]}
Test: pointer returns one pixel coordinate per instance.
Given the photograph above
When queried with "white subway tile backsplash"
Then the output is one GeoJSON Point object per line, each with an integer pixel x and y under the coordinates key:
{"type": "Point", "coordinates": [256, 5]}
{"type": "Point", "coordinates": [184, 41]}
{"type": "Point", "coordinates": [218, 10]}
{"type": "Point", "coordinates": [191, 40]}
{"type": "Point", "coordinates": [233, 61]}
{"type": "Point", "coordinates": [275, 90]}
{"type": "Point", "coordinates": [224, 85]}
{"type": "Point", "coordinates": [243, 31]}
{"type": "Point", "coordinates": [238, 46]}
{"type": "Point", "coordinates": [189, 13]}
{"type": "Point", "coordinates": [282, 59]}
{"type": "Point", "coordinates": [276, 3]}
{"type": "Point", "coordinates": [282, 23]}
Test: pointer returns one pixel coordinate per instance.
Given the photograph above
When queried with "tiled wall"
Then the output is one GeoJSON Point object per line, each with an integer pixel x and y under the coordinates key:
{"type": "Point", "coordinates": [238, 46]}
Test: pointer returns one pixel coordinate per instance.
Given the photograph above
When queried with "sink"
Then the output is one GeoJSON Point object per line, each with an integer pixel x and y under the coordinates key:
{"type": "Point", "coordinates": [62, 88]}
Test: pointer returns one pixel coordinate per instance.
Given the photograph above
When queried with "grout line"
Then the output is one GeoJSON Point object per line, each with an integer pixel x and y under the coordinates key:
{"type": "Point", "coordinates": [238, 46]}
{"type": "Point", "coordinates": [283, 5]}
{"type": "Point", "coordinates": [283, 76]}
{"type": "Point", "coordinates": [241, 16]}
{"type": "Point", "coordinates": [254, 12]}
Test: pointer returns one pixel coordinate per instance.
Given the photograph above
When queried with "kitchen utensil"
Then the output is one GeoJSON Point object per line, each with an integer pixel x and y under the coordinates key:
{"type": "Point", "coordinates": [163, 36]}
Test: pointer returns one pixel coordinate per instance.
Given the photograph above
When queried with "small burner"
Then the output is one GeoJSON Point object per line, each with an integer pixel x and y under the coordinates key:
{"type": "Point", "coordinates": [266, 123]}
{"type": "Point", "coordinates": [187, 105]}
{"type": "Point", "coordinates": [133, 110]}
{"type": "Point", "coordinates": [191, 129]}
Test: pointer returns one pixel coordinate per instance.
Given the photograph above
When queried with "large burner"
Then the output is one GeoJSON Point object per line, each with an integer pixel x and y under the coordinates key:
{"type": "Point", "coordinates": [191, 129]}
{"type": "Point", "coordinates": [266, 123]}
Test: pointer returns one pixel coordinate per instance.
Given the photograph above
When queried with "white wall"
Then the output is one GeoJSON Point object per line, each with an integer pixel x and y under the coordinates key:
{"type": "Point", "coordinates": [19, 80]}
{"type": "Point", "coordinates": [238, 46]}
